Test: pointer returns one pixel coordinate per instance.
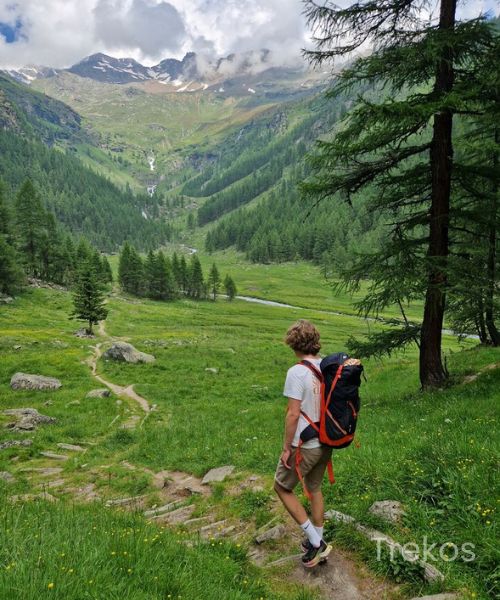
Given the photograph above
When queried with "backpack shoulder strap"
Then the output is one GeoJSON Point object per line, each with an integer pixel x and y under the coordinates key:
{"type": "Point", "coordinates": [315, 371]}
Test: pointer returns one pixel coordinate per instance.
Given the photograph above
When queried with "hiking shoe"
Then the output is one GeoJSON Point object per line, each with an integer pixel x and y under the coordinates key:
{"type": "Point", "coordinates": [305, 546]}
{"type": "Point", "coordinates": [316, 555]}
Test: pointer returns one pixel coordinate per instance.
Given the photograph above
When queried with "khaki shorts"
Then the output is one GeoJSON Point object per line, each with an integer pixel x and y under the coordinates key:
{"type": "Point", "coordinates": [312, 467]}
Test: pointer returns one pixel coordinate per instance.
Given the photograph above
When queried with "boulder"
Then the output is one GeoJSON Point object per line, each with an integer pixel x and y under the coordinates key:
{"type": "Point", "coordinates": [218, 474]}
{"type": "Point", "coordinates": [212, 370]}
{"type": "Point", "coordinates": [389, 510]}
{"type": "Point", "coordinates": [25, 381]}
{"type": "Point", "coordinates": [28, 418]}
{"type": "Point", "coordinates": [13, 443]}
{"type": "Point", "coordinates": [275, 533]}
{"type": "Point", "coordinates": [122, 351]}
{"type": "Point", "coordinates": [101, 393]}
{"type": "Point", "coordinates": [6, 299]}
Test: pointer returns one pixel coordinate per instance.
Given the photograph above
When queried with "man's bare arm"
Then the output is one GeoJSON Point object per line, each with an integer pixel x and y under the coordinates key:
{"type": "Point", "coordinates": [291, 421]}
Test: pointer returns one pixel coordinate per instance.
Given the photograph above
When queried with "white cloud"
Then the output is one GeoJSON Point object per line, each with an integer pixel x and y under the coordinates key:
{"type": "Point", "coordinates": [59, 33]}
{"type": "Point", "coordinates": [150, 28]}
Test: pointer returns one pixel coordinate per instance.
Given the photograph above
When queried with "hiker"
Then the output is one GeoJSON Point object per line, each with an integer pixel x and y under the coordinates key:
{"type": "Point", "coordinates": [303, 391]}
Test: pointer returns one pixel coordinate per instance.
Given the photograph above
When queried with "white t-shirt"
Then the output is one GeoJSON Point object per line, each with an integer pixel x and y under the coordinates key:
{"type": "Point", "coordinates": [301, 384]}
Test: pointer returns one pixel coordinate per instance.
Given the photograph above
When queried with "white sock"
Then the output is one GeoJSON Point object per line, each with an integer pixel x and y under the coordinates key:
{"type": "Point", "coordinates": [312, 535]}
{"type": "Point", "coordinates": [319, 530]}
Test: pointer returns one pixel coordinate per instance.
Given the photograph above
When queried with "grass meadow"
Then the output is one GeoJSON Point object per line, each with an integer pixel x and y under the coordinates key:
{"type": "Point", "coordinates": [437, 453]}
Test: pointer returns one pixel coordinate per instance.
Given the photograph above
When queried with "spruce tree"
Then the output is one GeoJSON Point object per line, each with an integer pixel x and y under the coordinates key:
{"type": "Point", "coordinates": [196, 282]}
{"type": "Point", "coordinates": [11, 275]}
{"type": "Point", "coordinates": [396, 144]}
{"type": "Point", "coordinates": [88, 297]}
{"type": "Point", "coordinates": [230, 288]}
{"type": "Point", "coordinates": [183, 275]}
{"type": "Point", "coordinates": [214, 281]}
{"type": "Point", "coordinates": [106, 270]}
{"type": "Point", "coordinates": [30, 217]}
{"type": "Point", "coordinates": [124, 267]}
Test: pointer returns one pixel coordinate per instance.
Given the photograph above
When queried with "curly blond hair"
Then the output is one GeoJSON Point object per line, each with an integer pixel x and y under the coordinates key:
{"type": "Point", "coordinates": [303, 337]}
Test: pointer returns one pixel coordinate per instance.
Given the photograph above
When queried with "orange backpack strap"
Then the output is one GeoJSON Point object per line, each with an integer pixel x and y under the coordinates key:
{"type": "Point", "coordinates": [298, 459]}
{"type": "Point", "coordinates": [331, 474]}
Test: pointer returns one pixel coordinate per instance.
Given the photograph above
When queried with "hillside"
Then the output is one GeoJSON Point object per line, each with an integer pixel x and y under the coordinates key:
{"type": "Point", "coordinates": [37, 141]}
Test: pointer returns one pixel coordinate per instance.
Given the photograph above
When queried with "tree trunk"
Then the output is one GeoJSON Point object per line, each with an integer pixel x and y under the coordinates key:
{"type": "Point", "coordinates": [432, 371]}
{"type": "Point", "coordinates": [492, 250]}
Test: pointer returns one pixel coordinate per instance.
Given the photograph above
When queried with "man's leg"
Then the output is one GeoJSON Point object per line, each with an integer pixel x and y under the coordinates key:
{"type": "Point", "coordinates": [298, 513]}
{"type": "Point", "coordinates": [291, 503]}
{"type": "Point", "coordinates": [317, 508]}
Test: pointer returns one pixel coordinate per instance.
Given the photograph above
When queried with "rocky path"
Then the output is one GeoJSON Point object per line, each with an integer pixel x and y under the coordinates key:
{"type": "Point", "coordinates": [120, 390]}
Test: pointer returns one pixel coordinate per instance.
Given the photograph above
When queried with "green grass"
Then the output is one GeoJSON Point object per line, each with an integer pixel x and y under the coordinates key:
{"type": "Point", "coordinates": [76, 552]}
{"type": "Point", "coordinates": [434, 452]}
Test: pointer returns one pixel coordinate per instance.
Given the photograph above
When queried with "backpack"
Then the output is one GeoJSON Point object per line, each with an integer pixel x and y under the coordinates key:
{"type": "Point", "coordinates": [340, 378]}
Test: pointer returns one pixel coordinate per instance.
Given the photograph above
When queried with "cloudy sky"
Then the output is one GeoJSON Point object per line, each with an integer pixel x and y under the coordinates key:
{"type": "Point", "coordinates": [59, 33]}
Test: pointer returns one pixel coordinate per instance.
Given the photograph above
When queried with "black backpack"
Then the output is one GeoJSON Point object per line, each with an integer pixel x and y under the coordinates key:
{"type": "Point", "coordinates": [340, 378]}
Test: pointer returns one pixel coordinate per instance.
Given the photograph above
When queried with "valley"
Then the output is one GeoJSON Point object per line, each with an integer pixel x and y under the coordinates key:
{"type": "Point", "coordinates": [161, 227]}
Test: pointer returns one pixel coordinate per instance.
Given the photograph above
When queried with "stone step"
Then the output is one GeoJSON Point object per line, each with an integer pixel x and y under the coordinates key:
{"type": "Point", "coordinates": [54, 456]}
{"type": "Point", "coordinates": [71, 447]}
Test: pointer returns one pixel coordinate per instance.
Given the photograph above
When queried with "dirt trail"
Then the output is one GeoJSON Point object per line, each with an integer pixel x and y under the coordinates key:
{"type": "Point", "coordinates": [119, 390]}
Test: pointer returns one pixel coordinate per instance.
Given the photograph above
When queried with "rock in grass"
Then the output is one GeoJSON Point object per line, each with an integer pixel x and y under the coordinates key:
{"type": "Point", "coordinates": [28, 418]}
{"type": "Point", "coordinates": [25, 381]}
{"type": "Point", "coordinates": [7, 477]}
{"type": "Point", "coordinates": [54, 456]}
{"type": "Point", "coordinates": [218, 474]}
{"type": "Point", "coordinates": [438, 597]}
{"type": "Point", "coordinates": [101, 393]}
{"type": "Point", "coordinates": [212, 370]}
{"type": "Point", "coordinates": [389, 510]}
{"type": "Point", "coordinates": [29, 497]}
{"type": "Point", "coordinates": [122, 351]}
{"type": "Point", "coordinates": [13, 443]}
{"type": "Point", "coordinates": [275, 533]}
{"type": "Point", "coordinates": [71, 447]}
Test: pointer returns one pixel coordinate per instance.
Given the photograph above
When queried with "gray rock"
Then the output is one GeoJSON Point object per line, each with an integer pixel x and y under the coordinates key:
{"type": "Point", "coordinates": [13, 443]}
{"type": "Point", "coordinates": [212, 370]}
{"type": "Point", "coordinates": [54, 456]}
{"type": "Point", "coordinates": [438, 597]}
{"type": "Point", "coordinates": [160, 510]}
{"type": "Point", "coordinates": [29, 497]}
{"type": "Point", "coordinates": [275, 533]}
{"type": "Point", "coordinates": [125, 501]}
{"type": "Point", "coordinates": [101, 393]}
{"type": "Point", "coordinates": [430, 572]}
{"type": "Point", "coordinates": [44, 471]}
{"type": "Point", "coordinates": [389, 510]}
{"type": "Point", "coordinates": [28, 418]}
{"type": "Point", "coordinates": [82, 333]}
{"type": "Point", "coordinates": [6, 299]}
{"type": "Point", "coordinates": [122, 351]}
{"type": "Point", "coordinates": [25, 381]}
{"type": "Point", "coordinates": [73, 403]}
{"type": "Point", "coordinates": [51, 484]}
{"type": "Point", "coordinates": [7, 477]}
{"type": "Point", "coordinates": [16, 347]}
{"type": "Point", "coordinates": [71, 447]}
{"type": "Point", "coordinates": [218, 474]}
